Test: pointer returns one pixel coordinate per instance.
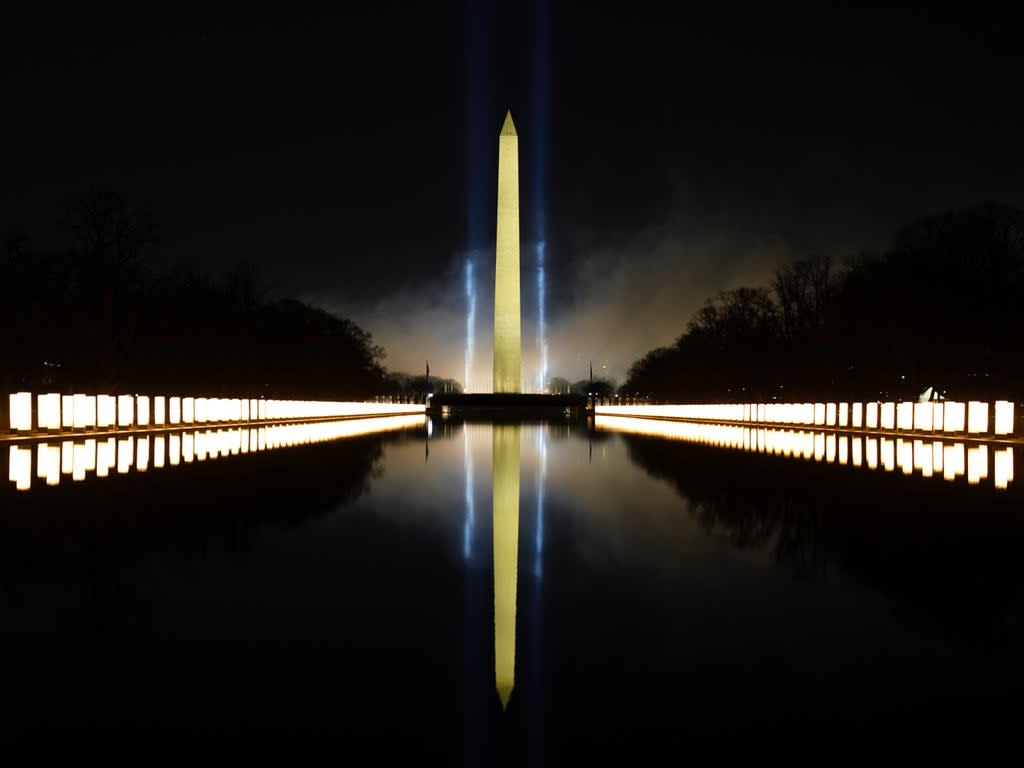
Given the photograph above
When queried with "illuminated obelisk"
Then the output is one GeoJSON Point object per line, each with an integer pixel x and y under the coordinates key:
{"type": "Point", "coordinates": [507, 344]}
{"type": "Point", "coordinates": [505, 457]}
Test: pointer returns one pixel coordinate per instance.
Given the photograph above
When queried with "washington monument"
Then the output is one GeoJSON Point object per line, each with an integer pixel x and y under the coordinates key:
{"type": "Point", "coordinates": [507, 343]}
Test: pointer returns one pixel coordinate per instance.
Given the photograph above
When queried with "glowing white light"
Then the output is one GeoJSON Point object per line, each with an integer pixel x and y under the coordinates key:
{"type": "Point", "coordinates": [48, 411]}
{"type": "Point", "coordinates": [1003, 417]}
{"type": "Point", "coordinates": [871, 415]}
{"type": "Point", "coordinates": [887, 415]}
{"type": "Point", "coordinates": [188, 447]}
{"type": "Point", "coordinates": [48, 463]}
{"type": "Point", "coordinates": [977, 417]}
{"type": "Point", "coordinates": [67, 455]}
{"type": "Point", "coordinates": [159, 410]}
{"type": "Point", "coordinates": [188, 410]}
{"type": "Point", "coordinates": [1003, 468]}
{"type": "Point", "coordinates": [106, 457]}
{"type": "Point", "coordinates": [923, 413]}
{"type": "Point", "coordinates": [159, 447]}
{"type": "Point", "coordinates": [858, 415]}
{"type": "Point", "coordinates": [905, 415]}
{"type": "Point", "coordinates": [953, 461]}
{"type": "Point", "coordinates": [871, 449]}
{"type": "Point", "coordinates": [19, 468]}
{"type": "Point", "coordinates": [125, 410]}
{"type": "Point", "coordinates": [844, 414]}
{"type": "Point", "coordinates": [142, 454]}
{"type": "Point", "coordinates": [86, 407]}
{"type": "Point", "coordinates": [905, 456]}
{"type": "Point", "coordinates": [977, 464]}
{"type": "Point", "coordinates": [924, 455]}
{"type": "Point", "coordinates": [20, 413]}
{"type": "Point", "coordinates": [937, 412]}
{"type": "Point", "coordinates": [927, 458]}
{"type": "Point", "coordinates": [887, 449]}
{"type": "Point", "coordinates": [81, 459]}
{"type": "Point", "coordinates": [201, 447]}
{"type": "Point", "coordinates": [174, 449]}
{"type": "Point", "coordinates": [67, 411]}
{"type": "Point", "coordinates": [106, 411]}
{"type": "Point", "coordinates": [954, 417]}
{"type": "Point", "coordinates": [90, 455]}
{"type": "Point", "coordinates": [142, 407]}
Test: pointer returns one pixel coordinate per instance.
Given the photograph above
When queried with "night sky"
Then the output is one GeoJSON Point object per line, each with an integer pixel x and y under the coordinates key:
{"type": "Point", "coordinates": [350, 157]}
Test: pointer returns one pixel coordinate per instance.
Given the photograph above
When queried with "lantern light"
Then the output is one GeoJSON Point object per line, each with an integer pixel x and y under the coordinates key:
{"type": "Point", "coordinates": [142, 406]}
{"type": "Point", "coordinates": [125, 410]}
{"type": "Point", "coordinates": [1003, 417]}
{"type": "Point", "coordinates": [67, 411]}
{"type": "Point", "coordinates": [20, 404]}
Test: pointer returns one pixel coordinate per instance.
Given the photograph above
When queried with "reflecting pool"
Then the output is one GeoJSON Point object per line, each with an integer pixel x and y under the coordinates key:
{"type": "Point", "coordinates": [479, 593]}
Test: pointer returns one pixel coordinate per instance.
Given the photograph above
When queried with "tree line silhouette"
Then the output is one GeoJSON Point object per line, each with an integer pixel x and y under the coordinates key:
{"type": "Point", "coordinates": [95, 318]}
{"type": "Point", "coordinates": [940, 307]}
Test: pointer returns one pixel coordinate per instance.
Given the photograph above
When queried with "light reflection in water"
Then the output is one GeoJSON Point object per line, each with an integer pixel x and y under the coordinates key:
{"type": "Point", "coordinates": [79, 458]}
{"type": "Point", "coordinates": [20, 467]}
{"type": "Point", "coordinates": [48, 463]}
{"type": "Point", "coordinates": [926, 457]}
{"type": "Point", "coordinates": [505, 448]}
{"type": "Point", "coordinates": [542, 470]}
{"type": "Point", "coordinates": [125, 454]}
{"type": "Point", "coordinates": [158, 453]}
{"type": "Point", "coordinates": [174, 447]}
{"type": "Point", "coordinates": [105, 457]}
{"type": "Point", "coordinates": [469, 524]}
{"type": "Point", "coordinates": [142, 454]}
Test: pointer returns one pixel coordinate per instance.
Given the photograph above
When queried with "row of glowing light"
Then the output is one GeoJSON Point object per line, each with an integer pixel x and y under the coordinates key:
{"type": "Point", "coordinates": [927, 457]}
{"type": "Point", "coordinates": [79, 458]}
{"type": "Point", "coordinates": [946, 416]}
{"type": "Point", "coordinates": [55, 411]}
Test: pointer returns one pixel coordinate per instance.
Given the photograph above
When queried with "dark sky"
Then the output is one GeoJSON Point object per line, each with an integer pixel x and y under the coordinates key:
{"type": "Point", "coordinates": [350, 156]}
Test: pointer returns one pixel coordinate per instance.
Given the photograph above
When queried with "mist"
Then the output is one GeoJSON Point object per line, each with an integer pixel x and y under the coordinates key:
{"type": "Point", "coordinates": [624, 297]}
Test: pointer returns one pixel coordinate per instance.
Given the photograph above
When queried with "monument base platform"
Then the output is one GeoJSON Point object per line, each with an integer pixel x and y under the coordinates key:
{"type": "Point", "coordinates": [508, 404]}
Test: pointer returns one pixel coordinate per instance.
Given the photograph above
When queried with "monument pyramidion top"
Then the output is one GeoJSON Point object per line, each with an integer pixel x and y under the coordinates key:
{"type": "Point", "coordinates": [508, 128]}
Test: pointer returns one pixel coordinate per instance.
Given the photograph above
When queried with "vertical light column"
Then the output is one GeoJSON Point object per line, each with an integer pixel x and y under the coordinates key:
{"type": "Point", "coordinates": [507, 340]}
{"type": "Point", "coordinates": [505, 456]}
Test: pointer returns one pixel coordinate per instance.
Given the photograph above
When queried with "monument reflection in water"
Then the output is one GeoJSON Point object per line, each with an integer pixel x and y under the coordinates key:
{"type": "Point", "coordinates": [505, 442]}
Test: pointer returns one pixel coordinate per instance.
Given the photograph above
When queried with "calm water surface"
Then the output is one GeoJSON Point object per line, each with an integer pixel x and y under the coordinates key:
{"type": "Point", "coordinates": [536, 593]}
